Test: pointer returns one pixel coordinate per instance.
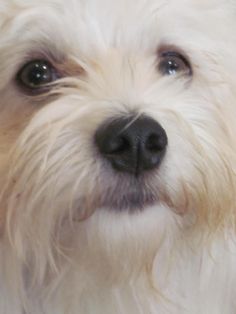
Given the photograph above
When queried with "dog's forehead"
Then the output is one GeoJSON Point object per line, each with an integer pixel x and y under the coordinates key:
{"type": "Point", "coordinates": [100, 23]}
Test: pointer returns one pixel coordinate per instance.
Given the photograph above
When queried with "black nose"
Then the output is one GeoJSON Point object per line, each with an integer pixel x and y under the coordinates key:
{"type": "Point", "coordinates": [132, 144]}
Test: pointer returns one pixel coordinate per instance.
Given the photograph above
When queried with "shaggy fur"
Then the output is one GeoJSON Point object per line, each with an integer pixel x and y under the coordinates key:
{"type": "Point", "coordinates": [62, 250]}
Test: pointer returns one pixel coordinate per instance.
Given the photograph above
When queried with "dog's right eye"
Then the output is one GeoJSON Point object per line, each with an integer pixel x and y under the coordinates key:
{"type": "Point", "coordinates": [36, 75]}
{"type": "Point", "coordinates": [173, 62]}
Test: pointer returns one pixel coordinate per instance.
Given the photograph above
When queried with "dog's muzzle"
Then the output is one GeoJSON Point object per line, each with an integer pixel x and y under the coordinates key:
{"type": "Point", "coordinates": [132, 145]}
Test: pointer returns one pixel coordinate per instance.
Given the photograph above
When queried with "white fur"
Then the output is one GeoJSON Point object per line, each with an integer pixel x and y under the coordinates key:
{"type": "Point", "coordinates": [60, 252]}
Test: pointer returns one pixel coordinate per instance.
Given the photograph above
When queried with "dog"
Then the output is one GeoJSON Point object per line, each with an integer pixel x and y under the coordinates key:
{"type": "Point", "coordinates": [117, 157]}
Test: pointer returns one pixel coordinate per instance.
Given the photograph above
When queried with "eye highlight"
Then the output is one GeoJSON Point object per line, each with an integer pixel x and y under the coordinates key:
{"type": "Point", "coordinates": [173, 63]}
{"type": "Point", "coordinates": [36, 74]}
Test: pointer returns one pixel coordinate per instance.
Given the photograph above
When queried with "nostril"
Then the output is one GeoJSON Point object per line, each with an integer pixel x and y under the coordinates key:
{"type": "Point", "coordinates": [155, 142]}
{"type": "Point", "coordinates": [116, 145]}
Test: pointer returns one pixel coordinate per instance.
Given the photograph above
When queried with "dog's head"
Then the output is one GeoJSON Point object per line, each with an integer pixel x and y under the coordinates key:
{"type": "Point", "coordinates": [117, 122]}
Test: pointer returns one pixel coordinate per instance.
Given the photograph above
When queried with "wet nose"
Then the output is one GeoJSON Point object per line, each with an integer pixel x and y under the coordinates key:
{"type": "Point", "coordinates": [132, 145]}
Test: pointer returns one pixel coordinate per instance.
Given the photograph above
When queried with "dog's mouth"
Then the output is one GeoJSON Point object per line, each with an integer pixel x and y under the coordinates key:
{"type": "Point", "coordinates": [127, 194]}
{"type": "Point", "coordinates": [136, 197]}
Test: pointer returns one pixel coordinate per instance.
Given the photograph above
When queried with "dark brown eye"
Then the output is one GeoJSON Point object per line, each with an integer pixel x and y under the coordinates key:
{"type": "Point", "coordinates": [36, 74]}
{"type": "Point", "coordinates": [172, 63]}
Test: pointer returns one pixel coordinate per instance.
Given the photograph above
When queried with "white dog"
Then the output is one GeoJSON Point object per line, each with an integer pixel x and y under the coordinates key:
{"type": "Point", "coordinates": [118, 157]}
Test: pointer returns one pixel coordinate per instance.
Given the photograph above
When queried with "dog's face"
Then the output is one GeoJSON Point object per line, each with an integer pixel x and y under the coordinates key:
{"type": "Point", "coordinates": [117, 121]}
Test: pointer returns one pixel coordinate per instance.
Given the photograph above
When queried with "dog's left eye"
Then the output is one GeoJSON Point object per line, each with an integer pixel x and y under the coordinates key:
{"type": "Point", "coordinates": [172, 63]}
{"type": "Point", "coordinates": [36, 74]}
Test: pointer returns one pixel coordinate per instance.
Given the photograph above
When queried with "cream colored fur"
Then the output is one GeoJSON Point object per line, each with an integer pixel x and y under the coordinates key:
{"type": "Point", "coordinates": [60, 252]}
